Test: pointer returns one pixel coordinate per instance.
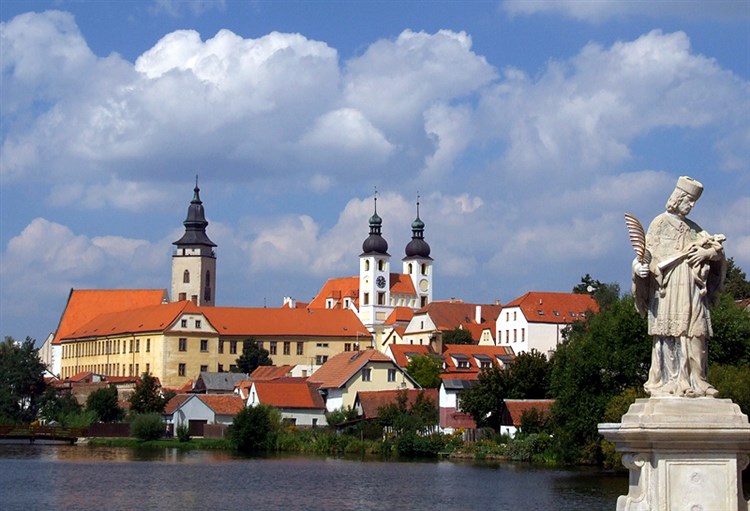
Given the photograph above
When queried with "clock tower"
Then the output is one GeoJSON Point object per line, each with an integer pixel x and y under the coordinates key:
{"type": "Point", "coordinates": [418, 263]}
{"type": "Point", "coordinates": [374, 276]}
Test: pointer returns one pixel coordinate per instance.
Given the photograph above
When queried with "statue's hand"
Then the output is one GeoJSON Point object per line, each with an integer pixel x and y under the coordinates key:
{"type": "Point", "coordinates": [699, 254]}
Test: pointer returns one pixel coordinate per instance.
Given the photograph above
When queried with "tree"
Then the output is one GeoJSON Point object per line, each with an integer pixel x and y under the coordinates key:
{"type": "Point", "coordinates": [255, 428]}
{"type": "Point", "coordinates": [457, 336]}
{"type": "Point", "coordinates": [21, 380]}
{"type": "Point", "coordinates": [147, 426]}
{"type": "Point", "coordinates": [425, 370]}
{"type": "Point", "coordinates": [732, 382]}
{"type": "Point", "coordinates": [54, 406]}
{"type": "Point", "coordinates": [147, 397]}
{"type": "Point", "coordinates": [528, 377]}
{"type": "Point", "coordinates": [484, 400]}
{"type": "Point", "coordinates": [736, 283]}
{"type": "Point", "coordinates": [103, 402]}
{"type": "Point", "coordinates": [420, 417]}
{"type": "Point", "coordinates": [604, 294]}
{"type": "Point", "coordinates": [252, 357]}
{"type": "Point", "coordinates": [730, 343]}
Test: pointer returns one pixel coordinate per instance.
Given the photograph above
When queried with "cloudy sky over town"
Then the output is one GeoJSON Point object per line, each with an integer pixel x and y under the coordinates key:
{"type": "Point", "coordinates": [526, 127]}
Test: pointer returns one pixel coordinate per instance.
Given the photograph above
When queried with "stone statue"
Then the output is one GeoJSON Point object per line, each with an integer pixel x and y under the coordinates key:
{"type": "Point", "coordinates": [679, 272]}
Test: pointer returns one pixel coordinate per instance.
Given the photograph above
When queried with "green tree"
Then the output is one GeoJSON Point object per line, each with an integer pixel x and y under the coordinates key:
{"type": "Point", "coordinates": [425, 370]}
{"type": "Point", "coordinates": [419, 417]}
{"type": "Point", "coordinates": [732, 382]}
{"type": "Point", "coordinates": [255, 429]}
{"type": "Point", "coordinates": [484, 400]}
{"type": "Point", "coordinates": [736, 283]}
{"type": "Point", "coordinates": [147, 426]}
{"type": "Point", "coordinates": [147, 397]}
{"type": "Point", "coordinates": [21, 380]}
{"type": "Point", "coordinates": [54, 406]}
{"type": "Point", "coordinates": [604, 294]}
{"type": "Point", "coordinates": [103, 402]}
{"type": "Point", "coordinates": [528, 377]}
{"type": "Point", "coordinates": [730, 343]}
{"type": "Point", "coordinates": [252, 357]}
{"type": "Point", "coordinates": [457, 336]}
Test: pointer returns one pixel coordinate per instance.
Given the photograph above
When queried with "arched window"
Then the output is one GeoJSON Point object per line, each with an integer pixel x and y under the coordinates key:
{"type": "Point", "coordinates": [208, 277]}
{"type": "Point", "coordinates": [411, 268]}
{"type": "Point", "coordinates": [367, 265]}
{"type": "Point", "coordinates": [381, 265]}
{"type": "Point", "coordinates": [424, 269]}
{"type": "Point", "coordinates": [186, 277]}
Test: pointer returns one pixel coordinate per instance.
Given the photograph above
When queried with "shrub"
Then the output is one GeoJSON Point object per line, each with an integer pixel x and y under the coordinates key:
{"type": "Point", "coordinates": [413, 445]}
{"type": "Point", "coordinates": [183, 433]}
{"type": "Point", "coordinates": [255, 428]}
{"type": "Point", "coordinates": [147, 426]}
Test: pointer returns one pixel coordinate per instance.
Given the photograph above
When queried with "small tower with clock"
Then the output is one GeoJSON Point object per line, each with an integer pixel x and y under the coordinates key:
{"type": "Point", "coordinates": [418, 263]}
{"type": "Point", "coordinates": [374, 275]}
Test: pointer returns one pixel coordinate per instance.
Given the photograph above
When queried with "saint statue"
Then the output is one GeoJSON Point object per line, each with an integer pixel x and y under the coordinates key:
{"type": "Point", "coordinates": [679, 272]}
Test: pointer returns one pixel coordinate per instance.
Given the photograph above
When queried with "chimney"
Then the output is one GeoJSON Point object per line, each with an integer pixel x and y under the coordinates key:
{"type": "Point", "coordinates": [478, 314]}
{"type": "Point", "coordinates": [290, 302]}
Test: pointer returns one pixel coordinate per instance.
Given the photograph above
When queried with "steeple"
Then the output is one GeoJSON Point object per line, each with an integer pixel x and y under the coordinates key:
{"type": "Point", "coordinates": [375, 243]}
{"type": "Point", "coordinates": [418, 263]}
{"type": "Point", "coordinates": [417, 247]}
{"type": "Point", "coordinates": [195, 223]}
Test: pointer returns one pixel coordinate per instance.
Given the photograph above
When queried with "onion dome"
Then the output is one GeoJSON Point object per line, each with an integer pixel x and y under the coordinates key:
{"type": "Point", "coordinates": [417, 247]}
{"type": "Point", "coordinates": [375, 243]}
{"type": "Point", "coordinates": [195, 223]}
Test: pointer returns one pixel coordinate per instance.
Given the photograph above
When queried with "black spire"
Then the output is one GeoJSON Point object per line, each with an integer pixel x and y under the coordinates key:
{"type": "Point", "coordinates": [417, 247]}
{"type": "Point", "coordinates": [195, 223]}
{"type": "Point", "coordinates": [375, 243]}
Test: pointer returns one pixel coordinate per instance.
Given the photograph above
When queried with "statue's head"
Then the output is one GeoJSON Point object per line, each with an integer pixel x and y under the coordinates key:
{"type": "Point", "coordinates": [685, 194]}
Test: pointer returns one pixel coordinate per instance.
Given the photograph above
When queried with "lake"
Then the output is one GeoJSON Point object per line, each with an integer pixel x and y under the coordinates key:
{"type": "Point", "coordinates": [79, 477]}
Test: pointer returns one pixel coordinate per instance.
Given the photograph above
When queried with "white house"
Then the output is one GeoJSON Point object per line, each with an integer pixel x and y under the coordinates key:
{"type": "Point", "coordinates": [198, 410]}
{"type": "Point", "coordinates": [298, 401]}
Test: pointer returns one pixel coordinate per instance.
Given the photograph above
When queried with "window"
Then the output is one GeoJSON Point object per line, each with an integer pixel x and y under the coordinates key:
{"type": "Point", "coordinates": [181, 370]}
{"type": "Point", "coordinates": [148, 345]}
{"type": "Point", "coordinates": [381, 265]}
{"type": "Point", "coordinates": [366, 374]}
{"type": "Point", "coordinates": [204, 369]}
{"type": "Point", "coordinates": [272, 348]}
{"type": "Point", "coordinates": [233, 347]}
{"type": "Point", "coordinates": [183, 323]}
{"type": "Point", "coordinates": [366, 299]}
{"type": "Point", "coordinates": [136, 370]}
{"type": "Point", "coordinates": [367, 265]}
{"type": "Point", "coordinates": [197, 323]}
{"type": "Point", "coordinates": [424, 269]}
{"type": "Point", "coordinates": [182, 297]}
{"type": "Point", "coordinates": [321, 359]}
{"type": "Point", "coordinates": [137, 345]}
{"type": "Point", "coordinates": [300, 348]}
{"type": "Point", "coordinates": [232, 368]}
{"type": "Point", "coordinates": [391, 375]}
{"type": "Point", "coordinates": [186, 277]}
{"type": "Point", "coordinates": [507, 336]}
{"type": "Point", "coordinates": [322, 345]}
{"type": "Point", "coordinates": [347, 346]}
{"type": "Point", "coordinates": [194, 299]}
{"type": "Point", "coordinates": [514, 315]}
{"type": "Point", "coordinates": [208, 277]}
{"type": "Point", "coordinates": [183, 344]}
{"type": "Point", "coordinates": [485, 364]}
{"type": "Point", "coordinates": [411, 269]}
{"type": "Point", "coordinates": [221, 346]}
{"type": "Point", "coordinates": [220, 368]}
{"type": "Point", "coordinates": [523, 334]}
{"type": "Point", "coordinates": [463, 364]}
{"type": "Point", "coordinates": [148, 368]}
{"type": "Point", "coordinates": [381, 298]}
{"type": "Point", "coordinates": [204, 344]}
{"type": "Point", "coordinates": [507, 316]}
{"type": "Point", "coordinates": [423, 301]}
{"type": "Point", "coordinates": [287, 348]}
{"type": "Point", "coordinates": [130, 369]}
{"type": "Point", "coordinates": [207, 294]}
{"type": "Point", "coordinates": [515, 335]}
{"type": "Point", "coordinates": [131, 346]}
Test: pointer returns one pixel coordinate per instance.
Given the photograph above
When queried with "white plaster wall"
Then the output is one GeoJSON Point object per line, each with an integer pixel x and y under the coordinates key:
{"type": "Point", "coordinates": [193, 409]}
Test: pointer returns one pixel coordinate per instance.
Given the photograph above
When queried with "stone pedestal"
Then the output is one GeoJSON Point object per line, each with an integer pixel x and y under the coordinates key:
{"type": "Point", "coordinates": [684, 454]}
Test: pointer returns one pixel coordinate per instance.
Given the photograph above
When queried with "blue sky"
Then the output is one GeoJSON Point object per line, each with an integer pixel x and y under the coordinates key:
{"type": "Point", "coordinates": [527, 127]}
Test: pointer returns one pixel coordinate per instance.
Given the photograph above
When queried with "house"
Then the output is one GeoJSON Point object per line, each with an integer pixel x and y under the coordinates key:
{"type": "Point", "coordinates": [471, 359]}
{"type": "Point", "coordinates": [368, 403]}
{"type": "Point", "coordinates": [513, 410]}
{"type": "Point", "coordinates": [449, 397]}
{"type": "Point", "coordinates": [199, 410]}
{"type": "Point", "coordinates": [436, 318]}
{"type": "Point", "coordinates": [217, 383]}
{"type": "Point", "coordinates": [265, 373]}
{"type": "Point", "coordinates": [536, 320]}
{"type": "Point", "coordinates": [345, 374]}
{"type": "Point", "coordinates": [298, 400]}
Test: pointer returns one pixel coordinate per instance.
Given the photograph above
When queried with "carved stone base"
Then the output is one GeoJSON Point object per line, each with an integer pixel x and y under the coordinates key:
{"type": "Point", "coordinates": [683, 454]}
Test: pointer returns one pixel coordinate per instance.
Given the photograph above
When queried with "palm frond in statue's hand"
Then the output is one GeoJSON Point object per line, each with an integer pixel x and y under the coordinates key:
{"type": "Point", "coordinates": [637, 238]}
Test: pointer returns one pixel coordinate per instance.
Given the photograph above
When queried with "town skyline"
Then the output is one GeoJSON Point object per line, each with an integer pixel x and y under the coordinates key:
{"type": "Point", "coordinates": [526, 131]}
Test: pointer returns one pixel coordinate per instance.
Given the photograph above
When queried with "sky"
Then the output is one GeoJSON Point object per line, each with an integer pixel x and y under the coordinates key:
{"type": "Point", "coordinates": [526, 128]}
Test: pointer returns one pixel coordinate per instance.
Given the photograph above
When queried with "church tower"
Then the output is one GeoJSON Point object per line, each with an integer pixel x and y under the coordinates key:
{"type": "Point", "coordinates": [418, 263]}
{"type": "Point", "coordinates": [374, 275]}
{"type": "Point", "coordinates": [194, 259]}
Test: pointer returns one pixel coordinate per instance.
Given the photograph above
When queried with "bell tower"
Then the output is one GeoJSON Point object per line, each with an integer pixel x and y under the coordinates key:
{"type": "Point", "coordinates": [374, 275]}
{"type": "Point", "coordinates": [418, 263]}
{"type": "Point", "coordinates": [194, 259]}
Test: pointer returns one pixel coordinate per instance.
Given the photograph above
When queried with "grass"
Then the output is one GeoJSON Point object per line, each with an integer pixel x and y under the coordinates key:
{"type": "Point", "coordinates": [194, 443]}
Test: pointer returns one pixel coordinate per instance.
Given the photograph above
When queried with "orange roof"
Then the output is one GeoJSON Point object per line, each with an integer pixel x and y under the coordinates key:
{"type": "Point", "coordinates": [222, 404]}
{"type": "Point", "coordinates": [265, 373]}
{"type": "Point", "coordinates": [394, 335]}
{"type": "Point", "coordinates": [399, 314]}
{"type": "Point", "coordinates": [372, 401]}
{"type": "Point", "coordinates": [296, 393]}
{"type": "Point", "coordinates": [450, 315]}
{"type": "Point", "coordinates": [175, 402]}
{"type": "Point", "coordinates": [340, 368]}
{"type": "Point", "coordinates": [338, 289]}
{"type": "Point", "coordinates": [85, 304]}
{"type": "Point", "coordinates": [402, 284]}
{"type": "Point", "coordinates": [472, 353]}
{"type": "Point", "coordinates": [515, 408]}
{"type": "Point", "coordinates": [279, 321]}
{"type": "Point", "coordinates": [402, 352]}
{"type": "Point", "coordinates": [78, 377]}
{"type": "Point", "coordinates": [153, 318]}
{"type": "Point", "coordinates": [539, 307]}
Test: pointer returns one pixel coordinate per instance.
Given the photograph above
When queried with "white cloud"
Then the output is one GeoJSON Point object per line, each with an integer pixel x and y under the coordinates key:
{"type": "Point", "coordinates": [129, 196]}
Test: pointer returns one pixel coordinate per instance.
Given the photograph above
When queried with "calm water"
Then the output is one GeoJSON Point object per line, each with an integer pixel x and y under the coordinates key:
{"type": "Point", "coordinates": [78, 477]}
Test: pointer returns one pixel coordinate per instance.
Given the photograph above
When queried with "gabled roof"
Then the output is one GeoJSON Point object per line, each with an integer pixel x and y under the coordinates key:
{"type": "Point", "coordinates": [394, 335]}
{"type": "Point", "coordinates": [540, 307]}
{"type": "Point", "coordinates": [399, 315]}
{"type": "Point", "coordinates": [338, 289]}
{"type": "Point", "coordinates": [289, 393]}
{"type": "Point", "coordinates": [402, 284]}
{"type": "Point", "coordinates": [245, 321]}
{"type": "Point", "coordinates": [218, 382]}
{"type": "Point", "coordinates": [153, 318]}
{"type": "Point", "coordinates": [372, 401]}
{"type": "Point", "coordinates": [86, 304]}
{"type": "Point", "coordinates": [471, 353]}
{"type": "Point", "coordinates": [175, 402]}
{"type": "Point", "coordinates": [515, 408]}
{"type": "Point", "coordinates": [222, 404]}
{"type": "Point", "coordinates": [265, 373]}
{"type": "Point", "coordinates": [340, 368]}
{"type": "Point", "coordinates": [401, 353]}
{"type": "Point", "coordinates": [80, 377]}
{"type": "Point", "coordinates": [454, 314]}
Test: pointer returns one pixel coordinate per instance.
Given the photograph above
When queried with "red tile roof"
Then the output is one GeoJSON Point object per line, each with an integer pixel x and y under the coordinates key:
{"type": "Point", "coordinates": [222, 404]}
{"type": "Point", "coordinates": [175, 402]}
{"type": "Point", "coordinates": [153, 318]}
{"type": "Point", "coordinates": [402, 284]}
{"type": "Point", "coordinates": [399, 315]}
{"type": "Point", "coordinates": [296, 393]}
{"type": "Point", "coordinates": [472, 352]}
{"type": "Point", "coordinates": [340, 368]}
{"type": "Point", "coordinates": [402, 352]}
{"type": "Point", "coordinates": [515, 408]}
{"type": "Point", "coordinates": [265, 373]}
{"type": "Point", "coordinates": [338, 289]}
{"type": "Point", "coordinates": [86, 304]}
{"type": "Point", "coordinates": [540, 307]}
{"type": "Point", "coordinates": [450, 315]}
{"type": "Point", "coordinates": [372, 401]}
{"type": "Point", "coordinates": [80, 377]}
{"type": "Point", "coordinates": [297, 322]}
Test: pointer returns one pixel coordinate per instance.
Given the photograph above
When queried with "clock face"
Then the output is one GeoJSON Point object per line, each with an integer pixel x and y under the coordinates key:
{"type": "Point", "coordinates": [424, 285]}
{"type": "Point", "coordinates": [380, 281]}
